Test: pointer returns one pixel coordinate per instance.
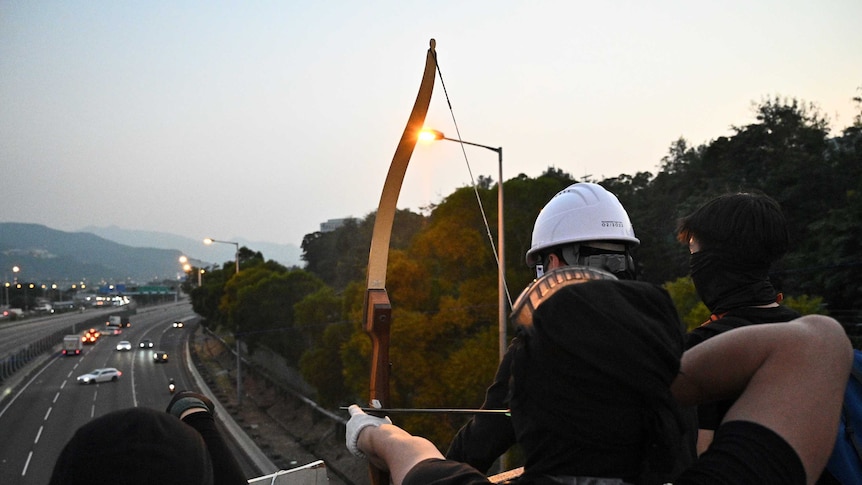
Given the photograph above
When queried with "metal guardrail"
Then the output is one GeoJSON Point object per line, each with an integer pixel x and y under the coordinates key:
{"type": "Point", "coordinates": [15, 361]}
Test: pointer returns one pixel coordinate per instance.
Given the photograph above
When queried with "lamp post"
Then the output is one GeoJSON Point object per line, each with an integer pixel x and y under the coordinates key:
{"type": "Point", "coordinates": [16, 270]}
{"type": "Point", "coordinates": [209, 241]}
{"type": "Point", "coordinates": [501, 262]}
{"type": "Point", "coordinates": [187, 267]}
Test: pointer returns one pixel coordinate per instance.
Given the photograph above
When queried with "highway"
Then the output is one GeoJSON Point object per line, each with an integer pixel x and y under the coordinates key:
{"type": "Point", "coordinates": [49, 405]}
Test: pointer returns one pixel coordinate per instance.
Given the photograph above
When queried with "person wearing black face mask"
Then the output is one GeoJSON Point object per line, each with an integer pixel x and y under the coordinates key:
{"type": "Point", "coordinates": [734, 239]}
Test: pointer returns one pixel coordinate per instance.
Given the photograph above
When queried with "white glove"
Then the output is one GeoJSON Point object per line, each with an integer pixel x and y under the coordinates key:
{"type": "Point", "coordinates": [359, 421]}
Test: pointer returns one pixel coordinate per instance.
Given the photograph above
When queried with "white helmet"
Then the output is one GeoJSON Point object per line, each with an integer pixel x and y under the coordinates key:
{"type": "Point", "coordinates": [582, 212]}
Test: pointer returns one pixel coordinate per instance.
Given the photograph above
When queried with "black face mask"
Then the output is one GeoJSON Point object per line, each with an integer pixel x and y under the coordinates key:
{"type": "Point", "coordinates": [724, 283]}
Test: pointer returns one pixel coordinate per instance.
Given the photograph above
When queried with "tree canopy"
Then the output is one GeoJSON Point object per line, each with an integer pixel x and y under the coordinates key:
{"type": "Point", "coordinates": [442, 269]}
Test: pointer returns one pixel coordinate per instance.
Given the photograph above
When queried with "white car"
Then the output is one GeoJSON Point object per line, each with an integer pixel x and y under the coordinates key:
{"type": "Point", "coordinates": [124, 345]}
{"type": "Point", "coordinates": [100, 375]}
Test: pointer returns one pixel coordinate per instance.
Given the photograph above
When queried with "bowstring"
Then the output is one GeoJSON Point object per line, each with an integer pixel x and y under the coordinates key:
{"type": "Point", "coordinates": [472, 179]}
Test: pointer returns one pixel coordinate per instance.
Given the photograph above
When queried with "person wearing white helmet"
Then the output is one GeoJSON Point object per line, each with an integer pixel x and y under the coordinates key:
{"type": "Point", "coordinates": [584, 225]}
{"type": "Point", "coordinates": [600, 379]}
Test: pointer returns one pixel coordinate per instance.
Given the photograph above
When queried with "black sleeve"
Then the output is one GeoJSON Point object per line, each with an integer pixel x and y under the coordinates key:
{"type": "Point", "coordinates": [487, 436]}
{"type": "Point", "coordinates": [226, 470]}
{"type": "Point", "coordinates": [698, 336]}
{"type": "Point", "coordinates": [443, 472]}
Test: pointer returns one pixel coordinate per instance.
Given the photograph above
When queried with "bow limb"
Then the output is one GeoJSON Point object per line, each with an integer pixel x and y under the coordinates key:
{"type": "Point", "coordinates": [378, 309]}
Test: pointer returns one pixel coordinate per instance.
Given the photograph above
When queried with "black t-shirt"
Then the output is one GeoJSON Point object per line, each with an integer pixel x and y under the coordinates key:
{"type": "Point", "coordinates": [743, 453]}
{"type": "Point", "coordinates": [710, 415]}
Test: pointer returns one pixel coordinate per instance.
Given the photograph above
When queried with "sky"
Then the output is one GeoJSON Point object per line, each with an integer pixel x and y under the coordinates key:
{"type": "Point", "coordinates": [260, 120]}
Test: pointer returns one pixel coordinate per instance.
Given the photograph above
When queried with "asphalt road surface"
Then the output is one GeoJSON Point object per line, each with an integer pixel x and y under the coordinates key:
{"type": "Point", "coordinates": [43, 413]}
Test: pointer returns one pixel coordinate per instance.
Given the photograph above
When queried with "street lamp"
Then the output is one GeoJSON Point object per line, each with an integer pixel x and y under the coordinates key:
{"type": "Point", "coordinates": [210, 240]}
{"type": "Point", "coordinates": [430, 135]}
{"type": "Point", "coordinates": [188, 268]}
{"type": "Point", "coordinates": [16, 270]}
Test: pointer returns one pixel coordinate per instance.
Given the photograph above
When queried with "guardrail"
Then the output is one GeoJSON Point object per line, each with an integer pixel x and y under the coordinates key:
{"type": "Point", "coordinates": [15, 361]}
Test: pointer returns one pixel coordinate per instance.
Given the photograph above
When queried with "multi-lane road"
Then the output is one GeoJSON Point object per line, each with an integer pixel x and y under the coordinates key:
{"type": "Point", "coordinates": [42, 414]}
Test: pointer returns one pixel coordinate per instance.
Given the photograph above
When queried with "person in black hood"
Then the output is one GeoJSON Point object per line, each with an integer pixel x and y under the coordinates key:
{"type": "Point", "coordinates": [734, 239]}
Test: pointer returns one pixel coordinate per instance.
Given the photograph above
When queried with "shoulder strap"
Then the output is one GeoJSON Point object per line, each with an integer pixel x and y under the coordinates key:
{"type": "Point", "coordinates": [723, 322]}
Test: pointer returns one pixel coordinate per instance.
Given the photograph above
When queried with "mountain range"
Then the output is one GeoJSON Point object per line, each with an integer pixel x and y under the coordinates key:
{"type": "Point", "coordinates": [112, 255]}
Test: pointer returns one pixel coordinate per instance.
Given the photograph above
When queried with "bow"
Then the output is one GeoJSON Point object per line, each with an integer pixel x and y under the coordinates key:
{"type": "Point", "coordinates": [377, 318]}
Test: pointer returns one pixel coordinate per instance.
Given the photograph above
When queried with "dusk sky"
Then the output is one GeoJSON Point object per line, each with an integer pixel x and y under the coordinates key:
{"type": "Point", "coordinates": [260, 120]}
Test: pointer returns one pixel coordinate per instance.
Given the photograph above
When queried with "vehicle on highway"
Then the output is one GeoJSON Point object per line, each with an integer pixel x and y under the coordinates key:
{"type": "Point", "coordinates": [100, 375]}
{"type": "Point", "coordinates": [113, 331]}
{"type": "Point", "coordinates": [160, 356]}
{"type": "Point", "coordinates": [146, 344]}
{"type": "Point", "coordinates": [118, 321]}
{"type": "Point", "coordinates": [177, 324]}
{"type": "Point", "coordinates": [124, 345]}
{"type": "Point", "coordinates": [12, 313]}
{"type": "Point", "coordinates": [44, 307]}
{"type": "Point", "coordinates": [91, 336]}
{"type": "Point", "coordinates": [72, 345]}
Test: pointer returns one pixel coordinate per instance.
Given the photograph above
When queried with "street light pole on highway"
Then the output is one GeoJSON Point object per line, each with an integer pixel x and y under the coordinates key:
{"type": "Point", "coordinates": [430, 135]}
{"type": "Point", "coordinates": [209, 241]}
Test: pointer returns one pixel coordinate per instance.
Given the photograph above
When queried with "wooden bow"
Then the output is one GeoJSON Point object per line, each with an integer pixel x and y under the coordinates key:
{"type": "Point", "coordinates": [378, 310]}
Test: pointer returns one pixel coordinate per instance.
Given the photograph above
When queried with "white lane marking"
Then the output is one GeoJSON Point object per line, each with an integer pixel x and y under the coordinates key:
{"type": "Point", "coordinates": [56, 396]}
{"type": "Point", "coordinates": [15, 397]}
{"type": "Point", "coordinates": [47, 414]}
{"type": "Point", "coordinates": [38, 435]}
{"type": "Point", "coordinates": [63, 385]}
{"type": "Point", "coordinates": [26, 464]}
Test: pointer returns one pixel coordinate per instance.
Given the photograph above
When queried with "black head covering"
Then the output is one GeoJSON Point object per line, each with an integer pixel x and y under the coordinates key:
{"type": "Point", "coordinates": [134, 446]}
{"type": "Point", "coordinates": [740, 236]}
{"type": "Point", "coordinates": [591, 382]}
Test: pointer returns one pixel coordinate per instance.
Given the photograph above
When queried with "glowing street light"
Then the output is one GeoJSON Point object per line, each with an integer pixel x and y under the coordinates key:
{"type": "Point", "coordinates": [432, 135]}
{"type": "Point", "coordinates": [210, 240]}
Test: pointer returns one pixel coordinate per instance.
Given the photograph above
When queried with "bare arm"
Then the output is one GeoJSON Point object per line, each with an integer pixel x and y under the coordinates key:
{"type": "Point", "coordinates": [791, 377]}
{"type": "Point", "coordinates": [390, 447]}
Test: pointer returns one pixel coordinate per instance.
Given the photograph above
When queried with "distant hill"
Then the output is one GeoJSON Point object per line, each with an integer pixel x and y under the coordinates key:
{"type": "Point", "coordinates": [286, 254]}
{"type": "Point", "coordinates": [112, 254]}
{"type": "Point", "coordinates": [47, 255]}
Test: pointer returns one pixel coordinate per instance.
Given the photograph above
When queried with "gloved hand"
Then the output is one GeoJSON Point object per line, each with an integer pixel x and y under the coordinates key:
{"type": "Point", "coordinates": [359, 421]}
{"type": "Point", "coordinates": [185, 400]}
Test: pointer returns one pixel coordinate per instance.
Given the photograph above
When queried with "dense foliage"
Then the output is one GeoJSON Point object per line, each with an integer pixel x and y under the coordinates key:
{"type": "Point", "coordinates": [442, 272]}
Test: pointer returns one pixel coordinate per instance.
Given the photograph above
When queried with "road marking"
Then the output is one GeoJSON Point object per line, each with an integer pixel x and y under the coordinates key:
{"type": "Point", "coordinates": [47, 414]}
{"type": "Point", "coordinates": [26, 464]}
{"type": "Point", "coordinates": [38, 435]}
{"type": "Point", "coordinates": [20, 391]}
{"type": "Point", "coordinates": [56, 396]}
